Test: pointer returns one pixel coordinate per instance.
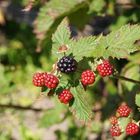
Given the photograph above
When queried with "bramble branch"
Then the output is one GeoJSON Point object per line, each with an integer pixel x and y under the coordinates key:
{"type": "Point", "coordinates": [126, 79]}
{"type": "Point", "coordinates": [11, 106]}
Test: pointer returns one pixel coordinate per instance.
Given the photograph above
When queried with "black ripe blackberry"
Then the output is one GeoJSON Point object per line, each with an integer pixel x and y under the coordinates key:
{"type": "Point", "coordinates": [67, 64]}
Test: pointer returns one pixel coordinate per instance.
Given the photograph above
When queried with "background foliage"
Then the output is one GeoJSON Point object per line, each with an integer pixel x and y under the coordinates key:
{"type": "Point", "coordinates": [26, 47]}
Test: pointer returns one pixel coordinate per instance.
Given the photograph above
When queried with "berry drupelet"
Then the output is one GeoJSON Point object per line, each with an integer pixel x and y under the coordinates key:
{"type": "Point", "coordinates": [87, 77]}
{"type": "Point", "coordinates": [65, 96]}
{"type": "Point", "coordinates": [67, 64]}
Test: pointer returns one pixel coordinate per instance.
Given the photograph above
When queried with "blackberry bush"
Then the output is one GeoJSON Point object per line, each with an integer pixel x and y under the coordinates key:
{"type": "Point", "coordinates": [87, 57]}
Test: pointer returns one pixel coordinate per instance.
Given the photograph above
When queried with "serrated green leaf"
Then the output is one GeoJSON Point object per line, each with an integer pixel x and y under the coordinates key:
{"type": "Point", "coordinates": [120, 43]}
{"type": "Point", "coordinates": [80, 107]}
{"type": "Point", "coordinates": [61, 37]}
{"type": "Point", "coordinates": [137, 100]}
{"type": "Point", "coordinates": [82, 48]}
{"type": "Point", "coordinates": [53, 10]}
{"type": "Point", "coordinates": [62, 34]}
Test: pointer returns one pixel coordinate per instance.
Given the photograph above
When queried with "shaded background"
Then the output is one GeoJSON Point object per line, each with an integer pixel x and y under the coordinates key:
{"type": "Point", "coordinates": [27, 114]}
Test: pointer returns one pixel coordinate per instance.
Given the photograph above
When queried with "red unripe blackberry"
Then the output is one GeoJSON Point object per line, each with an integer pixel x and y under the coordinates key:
{"type": "Point", "coordinates": [114, 120]}
{"type": "Point", "coordinates": [123, 110]}
{"type": "Point", "coordinates": [105, 68]}
{"type": "Point", "coordinates": [51, 81]}
{"type": "Point", "coordinates": [132, 128]}
{"type": "Point", "coordinates": [38, 79]}
{"type": "Point", "coordinates": [67, 64]}
{"type": "Point", "coordinates": [87, 77]}
{"type": "Point", "coordinates": [65, 96]}
{"type": "Point", "coordinates": [115, 130]}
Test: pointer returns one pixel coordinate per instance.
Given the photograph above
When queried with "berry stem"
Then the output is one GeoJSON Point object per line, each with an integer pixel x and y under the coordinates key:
{"type": "Point", "coordinates": [126, 79]}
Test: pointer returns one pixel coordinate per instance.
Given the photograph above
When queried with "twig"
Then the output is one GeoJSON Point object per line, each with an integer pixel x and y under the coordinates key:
{"type": "Point", "coordinates": [126, 79]}
{"type": "Point", "coordinates": [20, 107]}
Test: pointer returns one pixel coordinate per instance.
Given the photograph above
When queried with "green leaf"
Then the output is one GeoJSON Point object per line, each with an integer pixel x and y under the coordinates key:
{"type": "Point", "coordinates": [137, 100]}
{"type": "Point", "coordinates": [61, 37]}
{"type": "Point", "coordinates": [123, 121]}
{"type": "Point", "coordinates": [80, 107]}
{"type": "Point", "coordinates": [53, 10]}
{"type": "Point", "coordinates": [82, 48]}
{"type": "Point", "coordinates": [96, 6]}
{"type": "Point", "coordinates": [119, 43]}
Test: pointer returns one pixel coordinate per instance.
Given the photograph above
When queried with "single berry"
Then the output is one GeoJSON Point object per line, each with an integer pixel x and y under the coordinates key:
{"type": "Point", "coordinates": [123, 110]}
{"type": "Point", "coordinates": [113, 120]}
{"type": "Point", "coordinates": [87, 77]}
{"type": "Point", "coordinates": [105, 68]}
{"type": "Point", "coordinates": [115, 130]}
{"type": "Point", "coordinates": [38, 79]}
{"type": "Point", "coordinates": [67, 64]}
{"type": "Point", "coordinates": [51, 81]}
{"type": "Point", "coordinates": [132, 128]}
{"type": "Point", "coordinates": [65, 96]}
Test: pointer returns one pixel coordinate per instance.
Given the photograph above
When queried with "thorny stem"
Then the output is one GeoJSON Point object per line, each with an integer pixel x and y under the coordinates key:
{"type": "Point", "coordinates": [126, 79]}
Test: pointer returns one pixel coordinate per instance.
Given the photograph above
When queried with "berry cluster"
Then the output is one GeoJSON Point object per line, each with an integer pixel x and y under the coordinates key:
{"type": "Point", "coordinates": [51, 81]}
{"type": "Point", "coordinates": [130, 129]}
{"type": "Point", "coordinates": [45, 79]}
{"type": "Point", "coordinates": [68, 64]}
{"type": "Point", "coordinates": [104, 69]}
